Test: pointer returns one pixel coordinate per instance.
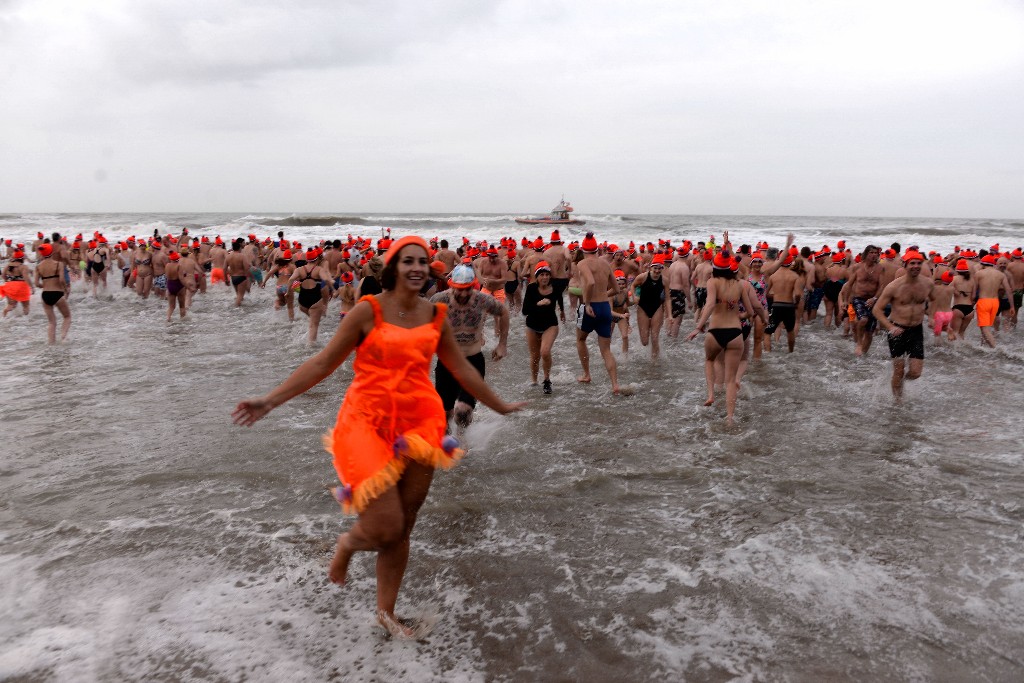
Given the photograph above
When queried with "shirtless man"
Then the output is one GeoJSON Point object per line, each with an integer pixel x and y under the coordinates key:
{"type": "Point", "coordinates": [678, 275]}
{"type": "Point", "coordinates": [492, 275]}
{"type": "Point", "coordinates": [530, 260]}
{"type": "Point", "coordinates": [558, 258]}
{"type": "Point", "coordinates": [1015, 273]}
{"type": "Point", "coordinates": [446, 256]}
{"type": "Point", "coordinates": [468, 310]}
{"type": "Point", "coordinates": [815, 283]}
{"type": "Point", "coordinates": [595, 313]}
{"type": "Point", "coordinates": [835, 277]}
{"type": "Point", "coordinates": [160, 260]}
{"type": "Point", "coordinates": [237, 266]}
{"type": "Point", "coordinates": [191, 275]}
{"type": "Point", "coordinates": [701, 275]}
{"type": "Point", "coordinates": [908, 296]}
{"type": "Point", "coordinates": [785, 290]}
{"type": "Point", "coordinates": [218, 263]}
{"type": "Point", "coordinates": [863, 291]}
{"type": "Point", "coordinates": [989, 280]}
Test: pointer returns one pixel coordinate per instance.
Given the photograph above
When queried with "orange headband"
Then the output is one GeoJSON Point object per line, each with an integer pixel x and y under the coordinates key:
{"type": "Point", "coordinates": [402, 244]}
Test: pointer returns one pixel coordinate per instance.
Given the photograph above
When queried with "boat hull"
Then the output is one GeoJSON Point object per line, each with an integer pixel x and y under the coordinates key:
{"type": "Point", "coordinates": [550, 221]}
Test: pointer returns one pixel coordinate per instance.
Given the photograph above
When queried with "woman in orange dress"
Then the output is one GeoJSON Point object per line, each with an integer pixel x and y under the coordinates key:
{"type": "Point", "coordinates": [390, 432]}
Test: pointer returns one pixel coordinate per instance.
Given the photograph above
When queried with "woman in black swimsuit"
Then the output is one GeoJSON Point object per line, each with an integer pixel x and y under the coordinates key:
{"type": "Point", "coordinates": [654, 297]}
{"type": "Point", "coordinates": [725, 295]}
{"type": "Point", "coordinates": [964, 291]}
{"type": "Point", "coordinates": [311, 278]}
{"type": "Point", "coordinates": [54, 293]}
{"type": "Point", "coordinates": [541, 322]}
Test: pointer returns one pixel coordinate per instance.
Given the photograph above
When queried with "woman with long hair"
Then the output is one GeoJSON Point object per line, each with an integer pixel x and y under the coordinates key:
{"type": "Point", "coordinates": [390, 431]}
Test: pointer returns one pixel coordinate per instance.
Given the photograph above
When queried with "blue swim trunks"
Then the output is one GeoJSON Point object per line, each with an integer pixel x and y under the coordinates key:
{"type": "Point", "coordinates": [601, 322]}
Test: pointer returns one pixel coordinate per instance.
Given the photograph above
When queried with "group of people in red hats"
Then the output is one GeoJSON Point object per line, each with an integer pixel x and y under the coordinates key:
{"type": "Point", "coordinates": [607, 287]}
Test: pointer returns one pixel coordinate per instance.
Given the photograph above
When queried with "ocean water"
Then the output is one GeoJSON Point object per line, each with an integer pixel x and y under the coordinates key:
{"type": "Point", "coordinates": [831, 534]}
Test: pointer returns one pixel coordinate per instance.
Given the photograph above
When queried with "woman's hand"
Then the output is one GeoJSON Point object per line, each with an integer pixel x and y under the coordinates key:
{"type": "Point", "coordinates": [693, 335]}
{"type": "Point", "coordinates": [249, 411]}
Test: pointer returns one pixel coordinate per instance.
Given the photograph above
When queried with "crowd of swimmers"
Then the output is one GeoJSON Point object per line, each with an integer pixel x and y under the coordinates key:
{"type": "Point", "coordinates": [748, 298]}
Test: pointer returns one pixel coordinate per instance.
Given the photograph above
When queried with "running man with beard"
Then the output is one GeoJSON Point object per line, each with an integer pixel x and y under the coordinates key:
{"type": "Point", "coordinates": [468, 310]}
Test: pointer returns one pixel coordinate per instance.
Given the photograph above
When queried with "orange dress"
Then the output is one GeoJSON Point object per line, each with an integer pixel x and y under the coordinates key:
{"type": "Point", "coordinates": [391, 412]}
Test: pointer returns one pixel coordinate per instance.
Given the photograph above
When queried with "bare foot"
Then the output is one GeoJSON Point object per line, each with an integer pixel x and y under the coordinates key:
{"type": "Point", "coordinates": [338, 570]}
{"type": "Point", "coordinates": [395, 626]}
{"type": "Point", "coordinates": [585, 379]}
{"type": "Point", "coordinates": [710, 401]}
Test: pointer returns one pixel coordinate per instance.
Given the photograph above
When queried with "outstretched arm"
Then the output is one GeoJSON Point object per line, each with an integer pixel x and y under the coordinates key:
{"type": "Point", "coordinates": [353, 329]}
{"type": "Point", "coordinates": [450, 355]}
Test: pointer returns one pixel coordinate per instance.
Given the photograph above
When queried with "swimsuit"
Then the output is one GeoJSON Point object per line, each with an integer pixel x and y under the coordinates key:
{"type": "Point", "coordinates": [237, 280]}
{"type": "Point", "coordinates": [966, 309]}
{"type": "Point", "coordinates": [538, 318]}
{"type": "Point", "coordinates": [449, 389]}
{"type": "Point", "coordinates": [391, 396]}
{"type": "Point", "coordinates": [783, 312]}
{"type": "Point", "coordinates": [987, 310]}
{"type": "Point", "coordinates": [652, 295]}
{"type": "Point", "coordinates": [863, 311]}
{"type": "Point", "coordinates": [174, 286]}
{"type": "Point", "coordinates": [701, 295]}
{"type": "Point", "coordinates": [814, 298]}
{"type": "Point", "coordinates": [724, 335]}
{"type": "Point", "coordinates": [909, 343]}
{"type": "Point", "coordinates": [51, 298]}
{"type": "Point", "coordinates": [941, 320]}
{"type": "Point", "coordinates": [760, 286]}
{"type": "Point", "coordinates": [678, 297]}
{"type": "Point", "coordinates": [601, 321]}
{"type": "Point", "coordinates": [309, 297]}
{"type": "Point", "coordinates": [160, 282]}
{"type": "Point", "coordinates": [498, 293]}
{"type": "Point", "coordinates": [832, 289]}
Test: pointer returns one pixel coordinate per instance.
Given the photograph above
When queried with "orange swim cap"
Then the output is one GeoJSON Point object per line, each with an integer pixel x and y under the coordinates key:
{"type": "Point", "coordinates": [45, 250]}
{"type": "Point", "coordinates": [913, 255]}
{"type": "Point", "coordinates": [962, 266]}
{"type": "Point", "coordinates": [174, 256]}
{"type": "Point", "coordinates": [589, 243]}
{"type": "Point", "coordinates": [947, 276]}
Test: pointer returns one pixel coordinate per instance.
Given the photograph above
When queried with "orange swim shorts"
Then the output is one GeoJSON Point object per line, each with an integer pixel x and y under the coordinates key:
{"type": "Point", "coordinates": [987, 309]}
{"type": "Point", "coordinates": [498, 294]}
{"type": "Point", "coordinates": [217, 275]}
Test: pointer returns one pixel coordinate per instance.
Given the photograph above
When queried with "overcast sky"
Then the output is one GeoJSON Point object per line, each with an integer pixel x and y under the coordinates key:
{"type": "Point", "coordinates": [873, 107]}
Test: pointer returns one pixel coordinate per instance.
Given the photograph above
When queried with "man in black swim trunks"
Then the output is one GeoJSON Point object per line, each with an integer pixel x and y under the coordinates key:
{"type": "Point", "coordinates": [468, 312]}
{"type": "Point", "coordinates": [908, 296]}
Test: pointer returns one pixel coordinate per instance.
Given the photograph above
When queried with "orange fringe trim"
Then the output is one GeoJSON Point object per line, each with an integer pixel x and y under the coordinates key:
{"type": "Point", "coordinates": [417, 448]}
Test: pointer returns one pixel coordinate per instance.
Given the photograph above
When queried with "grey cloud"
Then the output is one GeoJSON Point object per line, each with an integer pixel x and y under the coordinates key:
{"type": "Point", "coordinates": [240, 41]}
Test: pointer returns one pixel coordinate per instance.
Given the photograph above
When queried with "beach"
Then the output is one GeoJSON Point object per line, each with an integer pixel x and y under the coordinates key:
{"type": "Point", "coordinates": [831, 534]}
